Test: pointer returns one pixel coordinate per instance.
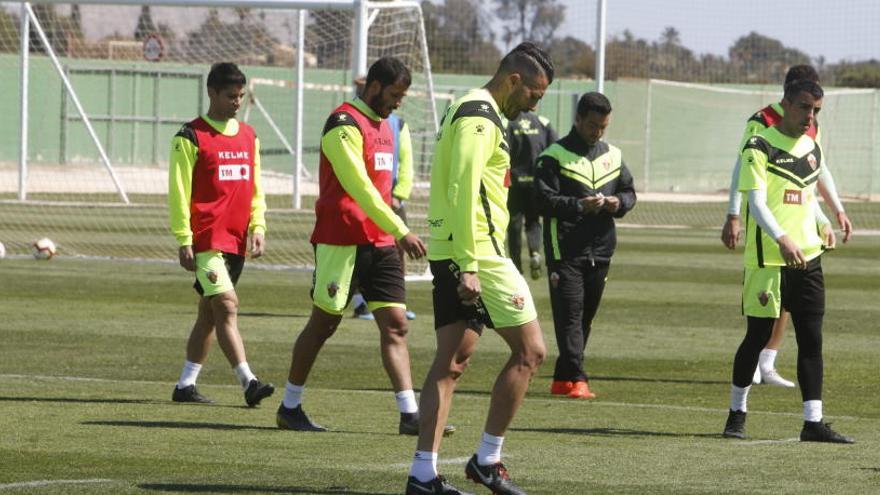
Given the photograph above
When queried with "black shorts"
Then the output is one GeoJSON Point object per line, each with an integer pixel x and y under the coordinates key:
{"type": "Point", "coordinates": [448, 307]}
{"type": "Point", "coordinates": [803, 291]}
{"type": "Point", "coordinates": [379, 275]}
{"type": "Point", "coordinates": [234, 265]}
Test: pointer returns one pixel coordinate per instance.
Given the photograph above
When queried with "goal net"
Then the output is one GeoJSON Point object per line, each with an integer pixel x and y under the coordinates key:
{"type": "Point", "coordinates": [107, 87]}
{"type": "Point", "coordinates": [691, 135]}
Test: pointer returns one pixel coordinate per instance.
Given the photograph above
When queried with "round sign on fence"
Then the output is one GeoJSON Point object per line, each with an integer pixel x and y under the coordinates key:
{"type": "Point", "coordinates": [153, 48]}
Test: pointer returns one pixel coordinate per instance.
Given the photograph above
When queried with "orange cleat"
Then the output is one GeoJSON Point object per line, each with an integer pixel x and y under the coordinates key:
{"type": "Point", "coordinates": [581, 390]}
{"type": "Point", "coordinates": [561, 388]}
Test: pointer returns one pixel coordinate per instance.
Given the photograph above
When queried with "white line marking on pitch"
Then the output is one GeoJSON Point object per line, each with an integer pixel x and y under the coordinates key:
{"type": "Point", "coordinates": [769, 442]}
{"type": "Point", "coordinates": [454, 460]}
{"type": "Point", "coordinates": [38, 483]}
{"type": "Point", "coordinates": [533, 400]}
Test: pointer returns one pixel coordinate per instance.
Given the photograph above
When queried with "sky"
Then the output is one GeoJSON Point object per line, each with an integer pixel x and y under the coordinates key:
{"type": "Point", "coordinates": [836, 29]}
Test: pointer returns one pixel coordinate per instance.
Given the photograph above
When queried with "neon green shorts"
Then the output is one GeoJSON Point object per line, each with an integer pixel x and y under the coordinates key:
{"type": "Point", "coordinates": [376, 271]}
{"type": "Point", "coordinates": [217, 272]}
{"type": "Point", "coordinates": [761, 296]}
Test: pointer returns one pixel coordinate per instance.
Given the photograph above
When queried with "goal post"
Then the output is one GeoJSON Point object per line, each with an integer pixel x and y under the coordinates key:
{"type": "Point", "coordinates": [95, 180]}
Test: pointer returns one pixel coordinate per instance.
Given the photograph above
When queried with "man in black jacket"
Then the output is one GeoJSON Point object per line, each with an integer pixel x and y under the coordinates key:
{"type": "Point", "coordinates": [582, 186]}
{"type": "Point", "coordinates": [528, 135]}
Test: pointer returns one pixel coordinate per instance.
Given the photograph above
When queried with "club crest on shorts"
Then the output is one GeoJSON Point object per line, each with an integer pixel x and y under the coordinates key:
{"type": "Point", "coordinates": [519, 301]}
{"type": "Point", "coordinates": [212, 276]}
{"type": "Point", "coordinates": [332, 289]}
{"type": "Point", "coordinates": [764, 298]}
{"type": "Point", "coordinates": [554, 280]}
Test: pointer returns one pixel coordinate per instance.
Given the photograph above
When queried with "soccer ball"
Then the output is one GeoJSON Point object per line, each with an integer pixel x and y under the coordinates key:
{"type": "Point", "coordinates": [2, 251]}
{"type": "Point", "coordinates": [44, 249]}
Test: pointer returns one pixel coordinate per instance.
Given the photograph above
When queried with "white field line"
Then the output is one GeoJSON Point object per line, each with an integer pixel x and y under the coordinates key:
{"type": "Point", "coordinates": [455, 460]}
{"type": "Point", "coordinates": [532, 400]}
{"type": "Point", "coordinates": [39, 483]}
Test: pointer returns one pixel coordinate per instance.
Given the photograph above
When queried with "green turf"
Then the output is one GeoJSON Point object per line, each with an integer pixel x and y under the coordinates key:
{"type": "Point", "coordinates": [90, 351]}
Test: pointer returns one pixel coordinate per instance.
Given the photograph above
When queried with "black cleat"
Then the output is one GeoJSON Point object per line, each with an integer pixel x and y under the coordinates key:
{"type": "Point", "coordinates": [736, 425]}
{"type": "Point", "coordinates": [817, 431]}
{"type": "Point", "coordinates": [295, 419]}
{"type": "Point", "coordinates": [437, 486]}
{"type": "Point", "coordinates": [409, 425]}
{"type": "Point", "coordinates": [189, 394]}
{"type": "Point", "coordinates": [257, 391]}
{"type": "Point", "coordinates": [493, 477]}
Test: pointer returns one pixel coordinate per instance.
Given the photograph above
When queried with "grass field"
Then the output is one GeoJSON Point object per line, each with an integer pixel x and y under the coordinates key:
{"type": "Point", "coordinates": [90, 352]}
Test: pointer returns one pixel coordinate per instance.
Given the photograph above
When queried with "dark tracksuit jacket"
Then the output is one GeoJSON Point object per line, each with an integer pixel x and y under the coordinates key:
{"type": "Point", "coordinates": [578, 246]}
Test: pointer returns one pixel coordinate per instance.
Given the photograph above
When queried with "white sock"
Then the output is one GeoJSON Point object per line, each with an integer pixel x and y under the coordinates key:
{"type": "Point", "coordinates": [813, 410]}
{"type": "Point", "coordinates": [490, 450]}
{"type": "Point", "coordinates": [244, 374]}
{"type": "Point", "coordinates": [424, 466]}
{"type": "Point", "coordinates": [189, 374]}
{"type": "Point", "coordinates": [357, 300]}
{"type": "Point", "coordinates": [293, 395]}
{"type": "Point", "coordinates": [738, 398]}
{"type": "Point", "coordinates": [406, 401]}
{"type": "Point", "coordinates": [767, 360]}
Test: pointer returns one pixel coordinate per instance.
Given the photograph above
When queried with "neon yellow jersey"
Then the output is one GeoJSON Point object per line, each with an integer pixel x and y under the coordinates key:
{"type": "Point", "coordinates": [404, 185]}
{"type": "Point", "coordinates": [787, 168]}
{"type": "Point", "coordinates": [467, 212]}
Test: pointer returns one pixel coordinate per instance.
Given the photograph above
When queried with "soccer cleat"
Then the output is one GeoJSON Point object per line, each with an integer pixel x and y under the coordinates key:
{"type": "Point", "coordinates": [410, 315]}
{"type": "Point", "coordinates": [736, 425]}
{"type": "Point", "coordinates": [257, 391]}
{"type": "Point", "coordinates": [493, 477]}
{"type": "Point", "coordinates": [581, 390]}
{"type": "Point", "coordinates": [361, 312]}
{"type": "Point", "coordinates": [772, 377]}
{"type": "Point", "coordinates": [560, 387]}
{"type": "Point", "coordinates": [817, 431]}
{"type": "Point", "coordinates": [189, 394]}
{"type": "Point", "coordinates": [409, 425]}
{"type": "Point", "coordinates": [436, 486]}
{"type": "Point", "coordinates": [756, 378]}
{"type": "Point", "coordinates": [295, 419]}
{"type": "Point", "coordinates": [535, 265]}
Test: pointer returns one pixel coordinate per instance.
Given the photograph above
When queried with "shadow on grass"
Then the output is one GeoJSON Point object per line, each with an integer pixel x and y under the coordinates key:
{"type": "Point", "coordinates": [186, 425]}
{"type": "Point", "coordinates": [652, 380]}
{"type": "Point", "coordinates": [76, 400]}
{"type": "Point", "coordinates": [204, 488]}
{"type": "Point", "coordinates": [81, 401]}
{"type": "Point", "coordinates": [612, 432]}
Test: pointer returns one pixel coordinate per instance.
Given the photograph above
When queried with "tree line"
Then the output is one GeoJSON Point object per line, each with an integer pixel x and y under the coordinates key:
{"type": "Point", "coordinates": [461, 40]}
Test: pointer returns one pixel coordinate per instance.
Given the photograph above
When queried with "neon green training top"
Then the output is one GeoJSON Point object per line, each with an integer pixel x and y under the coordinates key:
{"type": "Point", "coordinates": [403, 187]}
{"type": "Point", "coordinates": [467, 212]}
{"type": "Point", "coordinates": [787, 168]}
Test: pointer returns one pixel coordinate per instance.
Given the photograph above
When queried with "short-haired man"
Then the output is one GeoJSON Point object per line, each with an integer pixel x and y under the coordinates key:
{"type": "Point", "coordinates": [766, 117]}
{"type": "Point", "coordinates": [786, 234]}
{"type": "Point", "coordinates": [401, 187]}
{"type": "Point", "coordinates": [354, 239]}
{"type": "Point", "coordinates": [475, 283]}
{"type": "Point", "coordinates": [214, 200]}
{"type": "Point", "coordinates": [582, 185]}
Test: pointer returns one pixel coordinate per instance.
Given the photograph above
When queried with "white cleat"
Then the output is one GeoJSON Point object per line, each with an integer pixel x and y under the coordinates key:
{"type": "Point", "coordinates": [772, 377]}
{"type": "Point", "coordinates": [756, 378]}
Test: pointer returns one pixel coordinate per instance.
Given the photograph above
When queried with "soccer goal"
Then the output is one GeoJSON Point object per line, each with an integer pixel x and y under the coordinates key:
{"type": "Point", "coordinates": [100, 88]}
{"type": "Point", "coordinates": [692, 131]}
